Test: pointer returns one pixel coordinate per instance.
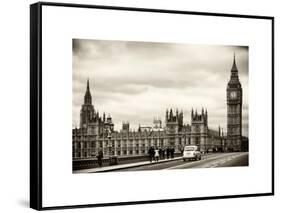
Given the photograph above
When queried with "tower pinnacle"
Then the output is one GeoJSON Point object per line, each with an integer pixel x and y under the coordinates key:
{"type": "Point", "coordinates": [234, 67]}
{"type": "Point", "coordinates": [88, 86]}
{"type": "Point", "coordinates": [88, 96]}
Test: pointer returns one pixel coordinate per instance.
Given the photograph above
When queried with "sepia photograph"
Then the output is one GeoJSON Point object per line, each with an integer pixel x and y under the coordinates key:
{"type": "Point", "coordinates": [155, 105]}
{"type": "Point", "coordinates": [141, 106]}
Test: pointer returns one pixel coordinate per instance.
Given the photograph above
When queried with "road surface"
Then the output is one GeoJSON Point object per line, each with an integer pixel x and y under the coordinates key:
{"type": "Point", "coordinates": [208, 161]}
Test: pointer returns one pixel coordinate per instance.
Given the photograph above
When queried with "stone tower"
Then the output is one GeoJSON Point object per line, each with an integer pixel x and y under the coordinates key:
{"type": "Point", "coordinates": [87, 110]}
{"type": "Point", "coordinates": [234, 110]}
{"type": "Point", "coordinates": [199, 129]}
{"type": "Point", "coordinates": [174, 125]}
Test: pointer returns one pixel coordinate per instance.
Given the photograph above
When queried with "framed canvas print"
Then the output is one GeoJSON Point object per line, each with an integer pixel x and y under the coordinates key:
{"type": "Point", "coordinates": [134, 105]}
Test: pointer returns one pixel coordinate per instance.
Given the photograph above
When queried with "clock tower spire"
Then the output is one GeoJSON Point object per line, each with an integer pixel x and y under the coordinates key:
{"type": "Point", "coordinates": [234, 110]}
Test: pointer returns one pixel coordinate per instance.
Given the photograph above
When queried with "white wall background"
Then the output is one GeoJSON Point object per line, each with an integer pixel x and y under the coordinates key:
{"type": "Point", "coordinates": [14, 108]}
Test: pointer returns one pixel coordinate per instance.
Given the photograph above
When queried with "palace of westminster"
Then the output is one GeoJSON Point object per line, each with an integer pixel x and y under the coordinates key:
{"type": "Point", "coordinates": [96, 132]}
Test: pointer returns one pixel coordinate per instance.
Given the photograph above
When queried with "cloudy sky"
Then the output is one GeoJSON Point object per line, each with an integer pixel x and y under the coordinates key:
{"type": "Point", "coordinates": [137, 81]}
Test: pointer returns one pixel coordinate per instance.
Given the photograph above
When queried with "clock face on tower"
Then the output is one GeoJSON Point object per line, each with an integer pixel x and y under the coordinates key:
{"type": "Point", "coordinates": [233, 94]}
{"type": "Point", "coordinates": [234, 110]}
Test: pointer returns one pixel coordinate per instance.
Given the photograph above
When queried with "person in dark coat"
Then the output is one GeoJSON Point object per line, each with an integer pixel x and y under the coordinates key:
{"type": "Point", "coordinates": [151, 153]}
{"type": "Point", "coordinates": [172, 150]}
{"type": "Point", "coordinates": [160, 153]}
{"type": "Point", "coordinates": [100, 157]}
{"type": "Point", "coordinates": [163, 153]}
{"type": "Point", "coordinates": [168, 152]}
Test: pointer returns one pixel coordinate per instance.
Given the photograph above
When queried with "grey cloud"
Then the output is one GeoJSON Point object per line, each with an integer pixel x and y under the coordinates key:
{"type": "Point", "coordinates": [136, 80]}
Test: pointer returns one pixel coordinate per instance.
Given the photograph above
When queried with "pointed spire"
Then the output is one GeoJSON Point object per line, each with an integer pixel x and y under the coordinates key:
{"type": "Point", "coordinates": [88, 97]}
{"type": "Point", "coordinates": [88, 85]}
{"type": "Point", "coordinates": [234, 67]}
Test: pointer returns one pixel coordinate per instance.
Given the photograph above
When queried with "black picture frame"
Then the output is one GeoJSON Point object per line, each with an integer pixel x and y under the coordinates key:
{"type": "Point", "coordinates": [36, 103]}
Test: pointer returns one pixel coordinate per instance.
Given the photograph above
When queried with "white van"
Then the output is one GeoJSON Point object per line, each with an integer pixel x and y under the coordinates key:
{"type": "Point", "coordinates": [191, 152]}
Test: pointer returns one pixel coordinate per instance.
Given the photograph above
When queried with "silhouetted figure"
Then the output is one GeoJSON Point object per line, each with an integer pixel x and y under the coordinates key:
{"type": "Point", "coordinates": [163, 153]}
{"type": "Point", "coordinates": [168, 152]}
{"type": "Point", "coordinates": [151, 153]}
{"type": "Point", "coordinates": [160, 153]}
{"type": "Point", "coordinates": [100, 157]}
{"type": "Point", "coordinates": [172, 150]}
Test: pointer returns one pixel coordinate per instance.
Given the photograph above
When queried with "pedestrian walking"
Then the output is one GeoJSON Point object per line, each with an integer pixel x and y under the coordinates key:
{"type": "Point", "coordinates": [156, 154]}
{"type": "Point", "coordinates": [151, 153]}
{"type": "Point", "coordinates": [163, 154]}
{"type": "Point", "coordinates": [172, 152]}
{"type": "Point", "coordinates": [168, 152]}
{"type": "Point", "coordinates": [160, 153]}
{"type": "Point", "coordinates": [100, 157]}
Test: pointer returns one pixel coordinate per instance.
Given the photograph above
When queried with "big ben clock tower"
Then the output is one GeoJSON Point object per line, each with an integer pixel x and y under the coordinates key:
{"type": "Point", "coordinates": [234, 110]}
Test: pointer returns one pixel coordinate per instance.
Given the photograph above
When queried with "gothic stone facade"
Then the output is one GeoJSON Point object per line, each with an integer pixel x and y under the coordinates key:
{"type": "Point", "coordinates": [97, 133]}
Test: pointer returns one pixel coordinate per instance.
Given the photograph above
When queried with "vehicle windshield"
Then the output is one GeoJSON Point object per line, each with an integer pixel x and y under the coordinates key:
{"type": "Point", "coordinates": [188, 148]}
